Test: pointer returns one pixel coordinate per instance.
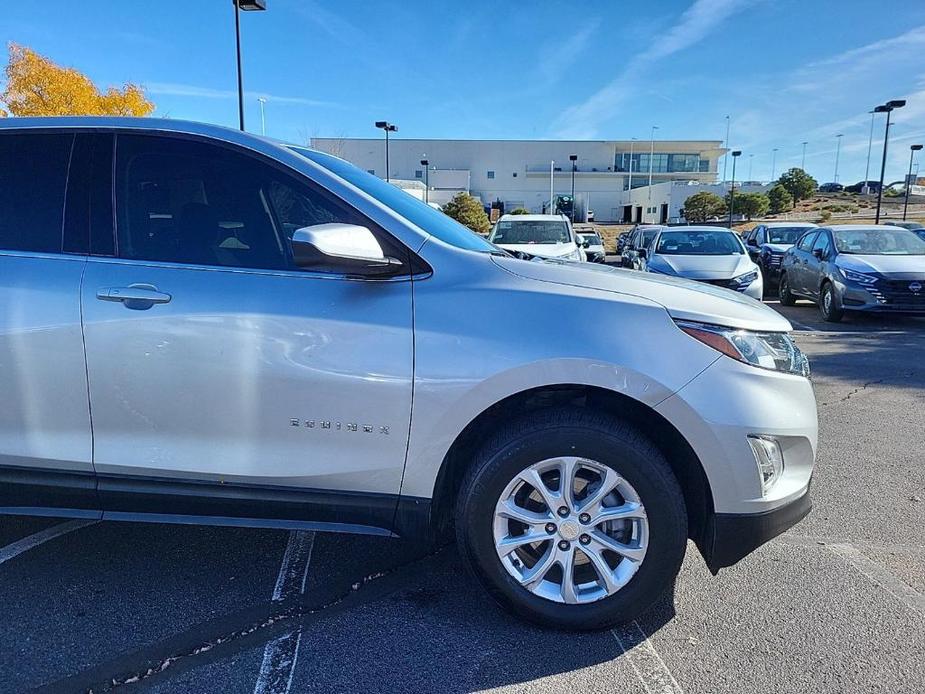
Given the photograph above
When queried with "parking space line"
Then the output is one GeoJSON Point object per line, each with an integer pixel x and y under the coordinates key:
{"type": "Point", "coordinates": [645, 660]}
{"type": "Point", "coordinates": [880, 575]}
{"type": "Point", "coordinates": [281, 654]}
{"type": "Point", "coordinates": [14, 549]}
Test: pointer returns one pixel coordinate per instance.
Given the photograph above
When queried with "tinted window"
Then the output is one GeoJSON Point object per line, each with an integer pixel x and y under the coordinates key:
{"type": "Point", "coordinates": [822, 243]}
{"type": "Point", "coordinates": [424, 216]}
{"type": "Point", "coordinates": [191, 202]}
{"type": "Point", "coordinates": [33, 177]}
{"type": "Point", "coordinates": [807, 241]}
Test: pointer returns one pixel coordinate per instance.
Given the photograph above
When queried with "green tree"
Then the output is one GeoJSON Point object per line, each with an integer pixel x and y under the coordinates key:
{"type": "Point", "coordinates": [699, 207]}
{"type": "Point", "coordinates": [780, 199]}
{"type": "Point", "coordinates": [799, 184]}
{"type": "Point", "coordinates": [750, 204]}
{"type": "Point", "coordinates": [467, 210]}
{"type": "Point", "coordinates": [520, 210]}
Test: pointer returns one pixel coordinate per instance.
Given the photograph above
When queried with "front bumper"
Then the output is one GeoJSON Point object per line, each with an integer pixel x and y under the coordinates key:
{"type": "Point", "coordinates": [729, 537]}
{"type": "Point", "coordinates": [885, 296]}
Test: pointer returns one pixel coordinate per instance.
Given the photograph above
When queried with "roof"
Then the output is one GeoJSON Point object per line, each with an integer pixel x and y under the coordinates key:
{"type": "Point", "coordinates": [534, 217]}
{"type": "Point", "coordinates": [700, 228]}
{"type": "Point", "coordinates": [775, 225]}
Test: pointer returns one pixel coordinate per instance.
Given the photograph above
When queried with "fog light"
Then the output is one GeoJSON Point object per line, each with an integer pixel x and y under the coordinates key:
{"type": "Point", "coordinates": [769, 458]}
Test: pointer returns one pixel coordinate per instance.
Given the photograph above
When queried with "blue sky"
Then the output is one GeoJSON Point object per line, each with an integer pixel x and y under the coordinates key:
{"type": "Point", "coordinates": [784, 70]}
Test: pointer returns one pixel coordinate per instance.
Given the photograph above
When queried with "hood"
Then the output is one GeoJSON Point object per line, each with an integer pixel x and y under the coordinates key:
{"type": "Point", "coordinates": [703, 267]}
{"type": "Point", "coordinates": [683, 299]}
{"type": "Point", "coordinates": [542, 250]}
{"type": "Point", "coordinates": [777, 247]}
{"type": "Point", "coordinates": [892, 266]}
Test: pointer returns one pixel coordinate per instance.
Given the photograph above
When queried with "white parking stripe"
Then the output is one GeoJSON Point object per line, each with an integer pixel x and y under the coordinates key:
{"type": "Point", "coordinates": [24, 545]}
{"type": "Point", "coordinates": [879, 575]}
{"type": "Point", "coordinates": [281, 654]}
{"type": "Point", "coordinates": [645, 660]}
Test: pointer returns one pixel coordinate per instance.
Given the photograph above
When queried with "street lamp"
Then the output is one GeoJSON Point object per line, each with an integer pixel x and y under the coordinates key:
{"type": "Point", "coordinates": [388, 128]}
{"type": "Point", "coordinates": [837, 151]}
{"type": "Point", "coordinates": [750, 158]}
{"type": "Point", "coordinates": [803, 160]}
{"type": "Point", "coordinates": [732, 189]}
{"type": "Point", "coordinates": [263, 116]}
{"type": "Point", "coordinates": [425, 164]}
{"type": "Point", "coordinates": [246, 6]}
{"type": "Point", "coordinates": [573, 158]}
{"type": "Point", "coordinates": [651, 155]}
{"type": "Point", "coordinates": [632, 146]}
{"type": "Point", "coordinates": [773, 162]}
{"type": "Point", "coordinates": [912, 150]}
{"type": "Point", "coordinates": [865, 188]}
{"type": "Point", "coordinates": [886, 108]}
{"type": "Point", "coordinates": [726, 147]}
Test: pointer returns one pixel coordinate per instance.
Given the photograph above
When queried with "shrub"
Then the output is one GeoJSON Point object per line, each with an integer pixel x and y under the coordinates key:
{"type": "Point", "coordinates": [467, 210]}
{"type": "Point", "coordinates": [779, 199]}
{"type": "Point", "coordinates": [699, 207]}
{"type": "Point", "coordinates": [520, 210]}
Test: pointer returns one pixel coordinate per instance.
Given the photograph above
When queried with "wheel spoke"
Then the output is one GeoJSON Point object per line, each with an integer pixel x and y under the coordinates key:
{"type": "Point", "coordinates": [631, 552]}
{"type": "Point", "coordinates": [626, 511]}
{"type": "Point", "coordinates": [532, 477]}
{"type": "Point", "coordinates": [567, 469]}
{"type": "Point", "coordinates": [508, 544]}
{"type": "Point", "coordinates": [609, 480]}
{"type": "Point", "coordinates": [567, 562]}
{"type": "Point", "coordinates": [604, 572]}
{"type": "Point", "coordinates": [538, 571]}
{"type": "Point", "coordinates": [509, 509]}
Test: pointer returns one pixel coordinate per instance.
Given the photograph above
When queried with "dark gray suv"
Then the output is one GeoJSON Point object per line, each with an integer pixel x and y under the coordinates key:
{"type": "Point", "coordinates": [856, 268]}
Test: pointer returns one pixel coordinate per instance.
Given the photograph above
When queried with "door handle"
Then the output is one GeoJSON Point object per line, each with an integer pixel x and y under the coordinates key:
{"type": "Point", "coordinates": [136, 296]}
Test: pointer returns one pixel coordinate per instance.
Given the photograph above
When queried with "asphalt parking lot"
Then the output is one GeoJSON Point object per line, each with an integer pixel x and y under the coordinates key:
{"type": "Point", "coordinates": [835, 605]}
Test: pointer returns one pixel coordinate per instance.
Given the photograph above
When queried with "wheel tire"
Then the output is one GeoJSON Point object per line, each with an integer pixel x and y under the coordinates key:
{"type": "Point", "coordinates": [828, 304]}
{"type": "Point", "coordinates": [783, 292]}
{"type": "Point", "coordinates": [598, 437]}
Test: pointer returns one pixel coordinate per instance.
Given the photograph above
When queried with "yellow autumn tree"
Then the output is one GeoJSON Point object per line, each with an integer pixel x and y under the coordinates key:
{"type": "Point", "coordinates": [36, 86]}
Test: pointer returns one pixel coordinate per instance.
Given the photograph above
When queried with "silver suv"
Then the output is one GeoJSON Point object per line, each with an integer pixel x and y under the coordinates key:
{"type": "Point", "coordinates": [202, 326]}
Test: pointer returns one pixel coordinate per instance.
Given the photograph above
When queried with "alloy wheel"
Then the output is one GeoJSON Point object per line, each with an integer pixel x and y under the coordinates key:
{"type": "Point", "coordinates": [570, 530]}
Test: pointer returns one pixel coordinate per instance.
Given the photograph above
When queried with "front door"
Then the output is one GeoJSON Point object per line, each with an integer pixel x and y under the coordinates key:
{"type": "Point", "coordinates": [221, 377]}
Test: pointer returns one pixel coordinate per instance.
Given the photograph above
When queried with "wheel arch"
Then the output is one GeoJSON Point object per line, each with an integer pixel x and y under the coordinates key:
{"type": "Point", "coordinates": [678, 452]}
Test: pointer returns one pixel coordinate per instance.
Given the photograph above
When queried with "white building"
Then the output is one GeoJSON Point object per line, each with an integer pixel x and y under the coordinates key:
{"type": "Point", "coordinates": [662, 203]}
{"type": "Point", "coordinates": [519, 172]}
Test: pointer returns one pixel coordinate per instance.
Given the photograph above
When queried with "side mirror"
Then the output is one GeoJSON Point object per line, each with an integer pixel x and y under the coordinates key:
{"type": "Point", "coordinates": [348, 246]}
{"type": "Point", "coordinates": [818, 252]}
{"type": "Point", "coordinates": [586, 244]}
{"type": "Point", "coordinates": [642, 253]}
{"type": "Point", "coordinates": [752, 242]}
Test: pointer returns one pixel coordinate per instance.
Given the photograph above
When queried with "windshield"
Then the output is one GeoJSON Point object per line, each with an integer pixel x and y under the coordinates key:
{"type": "Point", "coordinates": [432, 221]}
{"type": "Point", "coordinates": [878, 242]}
{"type": "Point", "coordinates": [785, 235]}
{"type": "Point", "coordinates": [593, 239]}
{"type": "Point", "coordinates": [525, 232]}
{"type": "Point", "coordinates": [699, 243]}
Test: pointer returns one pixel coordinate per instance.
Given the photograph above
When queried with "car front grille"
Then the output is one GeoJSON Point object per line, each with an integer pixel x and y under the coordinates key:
{"type": "Point", "coordinates": [774, 260]}
{"type": "Point", "coordinates": [899, 294]}
{"type": "Point", "coordinates": [727, 284]}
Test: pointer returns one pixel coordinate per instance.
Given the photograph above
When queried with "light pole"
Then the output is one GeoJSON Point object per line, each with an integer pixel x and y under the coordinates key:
{"type": "Point", "coordinates": [803, 160]}
{"type": "Point", "coordinates": [388, 128]}
{"type": "Point", "coordinates": [632, 145]}
{"type": "Point", "coordinates": [886, 108]}
{"type": "Point", "coordinates": [750, 158]}
{"type": "Point", "coordinates": [246, 6]}
{"type": "Point", "coordinates": [726, 147]}
{"type": "Point", "coordinates": [732, 189]}
{"type": "Point", "coordinates": [837, 151]}
{"type": "Point", "coordinates": [573, 158]}
{"type": "Point", "coordinates": [651, 155]}
{"type": "Point", "coordinates": [552, 174]}
{"type": "Point", "coordinates": [263, 116]}
{"type": "Point", "coordinates": [425, 164]}
{"type": "Point", "coordinates": [773, 162]}
{"type": "Point", "coordinates": [865, 188]}
{"type": "Point", "coordinates": [912, 150]}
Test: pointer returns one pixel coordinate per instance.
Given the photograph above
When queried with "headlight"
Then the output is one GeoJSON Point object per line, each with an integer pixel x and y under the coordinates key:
{"type": "Point", "coordinates": [747, 278]}
{"type": "Point", "coordinates": [776, 351]}
{"type": "Point", "coordinates": [859, 277]}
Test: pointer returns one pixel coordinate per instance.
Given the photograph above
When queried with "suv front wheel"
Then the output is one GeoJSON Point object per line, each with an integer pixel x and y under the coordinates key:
{"type": "Point", "coordinates": [572, 519]}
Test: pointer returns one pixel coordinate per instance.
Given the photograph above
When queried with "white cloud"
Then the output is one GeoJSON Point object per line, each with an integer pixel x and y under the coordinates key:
{"type": "Point", "coordinates": [693, 26]}
{"type": "Point", "coordinates": [197, 92]}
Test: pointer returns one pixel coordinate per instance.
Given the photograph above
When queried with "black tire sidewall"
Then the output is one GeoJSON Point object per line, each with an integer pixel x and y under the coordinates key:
{"type": "Point", "coordinates": [652, 480]}
{"type": "Point", "coordinates": [784, 295]}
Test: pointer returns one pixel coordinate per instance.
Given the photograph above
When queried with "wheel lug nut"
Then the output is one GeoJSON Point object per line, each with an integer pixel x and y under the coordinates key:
{"type": "Point", "coordinates": [550, 528]}
{"type": "Point", "coordinates": [563, 544]}
{"type": "Point", "coordinates": [584, 539]}
{"type": "Point", "coordinates": [563, 511]}
{"type": "Point", "coordinates": [584, 517]}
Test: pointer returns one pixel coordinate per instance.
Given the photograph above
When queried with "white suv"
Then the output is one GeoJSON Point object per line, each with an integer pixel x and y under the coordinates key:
{"type": "Point", "coordinates": [202, 326]}
{"type": "Point", "coordinates": [548, 236]}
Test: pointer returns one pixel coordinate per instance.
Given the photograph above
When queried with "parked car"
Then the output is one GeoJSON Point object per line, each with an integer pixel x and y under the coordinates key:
{"type": "Point", "coordinates": [590, 215]}
{"type": "Point", "coordinates": [768, 242]}
{"type": "Point", "coordinates": [271, 337]}
{"type": "Point", "coordinates": [714, 255]}
{"type": "Point", "coordinates": [872, 187]}
{"type": "Point", "coordinates": [538, 236]}
{"type": "Point", "coordinates": [878, 269]}
{"type": "Point", "coordinates": [593, 246]}
{"type": "Point", "coordinates": [911, 226]}
{"type": "Point", "coordinates": [639, 239]}
{"type": "Point", "coordinates": [831, 188]}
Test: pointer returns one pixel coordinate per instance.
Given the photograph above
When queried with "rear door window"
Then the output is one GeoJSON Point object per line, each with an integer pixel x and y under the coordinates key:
{"type": "Point", "coordinates": [33, 179]}
{"type": "Point", "coordinates": [807, 241]}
